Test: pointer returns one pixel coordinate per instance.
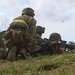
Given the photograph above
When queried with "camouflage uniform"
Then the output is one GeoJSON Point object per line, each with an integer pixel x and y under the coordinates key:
{"type": "Point", "coordinates": [32, 29]}
{"type": "Point", "coordinates": [54, 39]}
{"type": "Point", "coordinates": [15, 39]}
{"type": "Point", "coordinates": [43, 43]}
{"type": "Point", "coordinates": [18, 36]}
{"type": "Point", "coordinates": [39, 31]}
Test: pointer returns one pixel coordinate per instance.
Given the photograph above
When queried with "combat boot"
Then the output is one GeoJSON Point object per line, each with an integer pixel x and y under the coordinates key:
{"type": "Point", "coordinates": [23, 53]}
{"type": "Point", "coordinates": [12, 54]}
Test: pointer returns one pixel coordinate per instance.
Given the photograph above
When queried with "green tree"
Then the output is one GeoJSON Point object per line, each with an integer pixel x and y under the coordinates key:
{"type": "Point", "coordinates": [1, 41]}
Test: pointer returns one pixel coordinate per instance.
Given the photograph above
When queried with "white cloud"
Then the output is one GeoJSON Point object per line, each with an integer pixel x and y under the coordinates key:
{"type": "Point", "coordinates": [3, 22]}
{"type": "Point", "coordinates": [54, 15]}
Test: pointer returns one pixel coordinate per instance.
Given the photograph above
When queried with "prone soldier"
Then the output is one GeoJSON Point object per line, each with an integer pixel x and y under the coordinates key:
{"type": "Point", "coordinates": [54, 40]}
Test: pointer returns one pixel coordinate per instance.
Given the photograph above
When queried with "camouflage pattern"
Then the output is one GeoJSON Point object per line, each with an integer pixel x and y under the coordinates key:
{"type": "Point", "coordinates": [23, 53]}
{"type": "Point", "coordinates": [46, 41]}
{"type": "Point", "coordinates": [21, 35]}
{"type": "Point", "coordinates": [55, 37]}
{"type": "Point", "coordinates": [7, 38]}
{"type": "Point", "coordinates": [32, 29]}
{"type": "Point", "coordinates": [38, 46]}
{"type": "Point", "coordinates": [39, 31]}
{"type": "Point", "coordinates": [28, 11]}
{"type": "Point", "coordinates": [54, 40]}
{"type": "Point", "coordinates": [12, 54]}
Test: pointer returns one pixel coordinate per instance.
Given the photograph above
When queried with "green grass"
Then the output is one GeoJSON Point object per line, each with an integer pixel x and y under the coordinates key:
{"type": "Point", "coordinates": [63, 64]}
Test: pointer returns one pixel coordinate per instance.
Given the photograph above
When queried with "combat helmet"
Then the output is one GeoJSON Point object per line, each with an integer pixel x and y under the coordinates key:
{"type": "Point", "coordinates": [55, 37]}
{"type": "Point", "coordinates": [28, 11]}
{"type": "Point", "coordinates": [40, 29]}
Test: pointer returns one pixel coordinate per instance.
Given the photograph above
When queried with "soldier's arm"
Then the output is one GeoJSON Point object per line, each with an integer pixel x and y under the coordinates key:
{"type": "Point", "coordinates": [32, 26]}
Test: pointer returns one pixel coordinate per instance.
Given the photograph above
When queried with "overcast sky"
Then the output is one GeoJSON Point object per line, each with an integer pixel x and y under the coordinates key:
{"type": "Point", "coordinates": [54, 15]}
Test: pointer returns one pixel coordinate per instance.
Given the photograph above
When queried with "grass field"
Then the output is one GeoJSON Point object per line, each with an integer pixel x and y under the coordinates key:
{"type": "Point", "coordinates": [63, 64]}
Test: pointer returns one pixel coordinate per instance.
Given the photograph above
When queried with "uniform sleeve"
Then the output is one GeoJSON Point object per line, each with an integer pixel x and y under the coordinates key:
{"type": "Point", "coordinates": [31, 21]}
{"type": "Point", "coordinates": [32, 26]}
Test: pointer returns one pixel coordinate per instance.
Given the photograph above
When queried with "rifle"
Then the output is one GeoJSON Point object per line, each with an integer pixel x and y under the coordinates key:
{"type": "Point", "coordinates": [44, 50]}
{"type": "Point", "coordinates": [67, 47]}
{"type": "Point", "coordinates": [56, 48]}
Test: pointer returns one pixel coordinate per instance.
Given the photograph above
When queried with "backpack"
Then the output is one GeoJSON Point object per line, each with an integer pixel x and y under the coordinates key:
{"type": "Point", "coordinates": [17, 36]}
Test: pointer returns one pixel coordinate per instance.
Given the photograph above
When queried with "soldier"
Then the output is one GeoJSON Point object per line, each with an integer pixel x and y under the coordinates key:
{"type": "Point", "coordinates": [54, 39]}
{"type": "Point", "coordinates": [43, 43]}
{"type": "Point", "coordinates": [39, 31]}
{"type": "Point", "coordinates": [33, 45]}
{"type": "Point", "coordinates": [20, 36]}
